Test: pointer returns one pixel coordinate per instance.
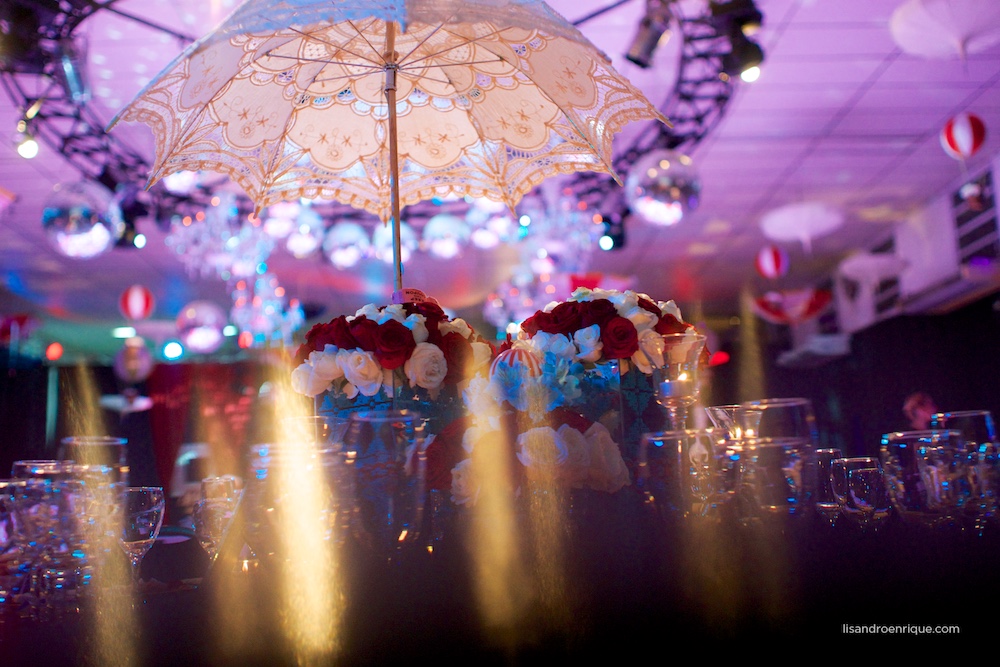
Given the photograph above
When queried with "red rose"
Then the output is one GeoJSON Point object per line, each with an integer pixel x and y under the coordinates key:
{"type": "Point", "coordinates": [431, 311]}
{"type": "Point", "coordinates": [393, 344]}
{"type": "Point", "coordinates": [340, 334]}
{"type": "Point", "coordinates": [445, 452]}
{"type": "Point", "coordinates": [669, 324]}
{"type": "Point", "coordinates": [457, 354]}
{"type": "Point", "coordinates": [646, 304]}
{"type": "Point", "coordinates": [620, 338]}
{"type": "Point", "coordinates": [564, 319]}
{"type": "Point", "coordinates": [530, 325]}
{"type": "Point", "coordinates": [323, 334]}
{"type": "Point", "coordinates": [598, 312]}
{"type": "Point", "coordinates": [363, 331]}
{"type": "Point", "coordinates": [540, 321]}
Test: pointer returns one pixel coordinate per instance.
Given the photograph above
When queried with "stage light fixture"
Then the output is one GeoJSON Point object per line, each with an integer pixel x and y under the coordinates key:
{"type": "Point", "coordinates": [742, 15]}
{"type": "Point", "coordinates": [653, 30]}
{"type": "Point", "coordinates": [27, 145]}
{"type": "Point", "coordinates": [743, 58]}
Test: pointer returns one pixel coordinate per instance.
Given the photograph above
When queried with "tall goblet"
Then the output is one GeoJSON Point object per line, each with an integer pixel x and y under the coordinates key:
{"type": "Point", "coordinates": [677, 377]}
{"type": "Point", "coordinates": [780, 418]}
{"type": "Point", "coordinates": [982, 453]}
{"type": "Point", "coordinates": [142, 509]}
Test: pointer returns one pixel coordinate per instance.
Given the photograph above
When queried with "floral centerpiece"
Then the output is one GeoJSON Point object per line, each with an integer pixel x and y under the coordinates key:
{"type": "Point", "coordinates": [605, 336]}
{"type": "Point", "coordinates": [520, 429]}
{"type": "Point", "coordinates": [400, 352]}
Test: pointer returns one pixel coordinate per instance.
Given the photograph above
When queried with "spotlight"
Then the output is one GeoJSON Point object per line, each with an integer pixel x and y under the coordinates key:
{"type": "Point", "coordinates": [27, 145]}
{"type": "Point", "coordinates": [653, 30]}
{"type": "Point", "coordinates": [742, 15]}
{"type": "Point", "coordinates": [743, 59]}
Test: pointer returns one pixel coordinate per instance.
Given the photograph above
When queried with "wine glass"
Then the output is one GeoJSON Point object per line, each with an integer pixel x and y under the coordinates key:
{"type": "Point", "coordinates": [982, 449]}
{"type": "Point", "coordinates": [213, 512]}
{"type": "Point", "coordinates": [860, 490]}
{"type": "Point", "coordinates": [142, 509]}
{"type": "Point", "coordinates": [677, 378]}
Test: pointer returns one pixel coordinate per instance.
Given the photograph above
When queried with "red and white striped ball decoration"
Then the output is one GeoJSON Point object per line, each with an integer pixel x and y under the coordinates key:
{"type": "Point", "coordinates": [136, 303]}
{"type": "Point", "coordinates": [963, 136]}
{"type": "Point", "coordinates": [772, 262]}
{"type": "Point", "coordinates": [517, 358]}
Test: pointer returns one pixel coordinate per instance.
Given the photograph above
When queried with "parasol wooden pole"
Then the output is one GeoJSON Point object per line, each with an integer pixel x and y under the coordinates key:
{"type": "Point", "coordinates": [390, 95]}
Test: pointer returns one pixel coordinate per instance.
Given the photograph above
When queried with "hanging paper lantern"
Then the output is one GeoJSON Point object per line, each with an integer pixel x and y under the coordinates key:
{"type": "Point", "coordinates": [772, 262]}
{"type": "Point", "coordinates": [790, 307]}
{"type": "Point", "coordinates": [136, 303]}
{"type": "Point", "coordinates": [963, 136]}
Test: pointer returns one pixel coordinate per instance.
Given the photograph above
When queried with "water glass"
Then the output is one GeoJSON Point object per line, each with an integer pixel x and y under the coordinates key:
{"type": "Point", "coordinates": [384, 455]}
{"type": "Point", "coordinates": [98, 450]}
{"type": "Point", "coordinates": [983, 452]}
{"type": "Point", "coordinates": [780, 418]}
{"type": "Point", "coordinates": [734, 418]}
{"type": "Point", "coordinates": [14, 566]}
{"type": "Point", "coordinates": [927, 474]}
{"type": "Point", "coordinates": [825, 500]}
{"type": "Point", "coordinates": [774, 478]}
{"type": "Point", "coordinates": [690, 472]}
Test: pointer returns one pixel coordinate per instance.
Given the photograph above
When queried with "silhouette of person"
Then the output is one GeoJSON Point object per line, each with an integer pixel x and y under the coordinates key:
{"type": "Point", "coordinates": [919, 407]}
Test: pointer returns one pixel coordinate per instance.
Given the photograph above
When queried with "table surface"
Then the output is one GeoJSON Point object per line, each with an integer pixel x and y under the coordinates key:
{"type": "Point", "coordinates": [635, 583]}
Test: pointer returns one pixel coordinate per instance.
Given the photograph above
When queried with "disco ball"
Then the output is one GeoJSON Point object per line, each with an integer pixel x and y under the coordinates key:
{"type": "Point", "coordinates": [82, 219]}
{"type": "Point", "coordinates": [445, 235]}
{"type": "Point", "coordinates": [200, 325]}
{"type": "Point", "coordinates": [662, 186]}
{"type": "Point", "coordinates": [382, 242]}
{"type": "Point", "coordinates": [307, 236]}
{"type": "Point", "coordinates": [346, 244]}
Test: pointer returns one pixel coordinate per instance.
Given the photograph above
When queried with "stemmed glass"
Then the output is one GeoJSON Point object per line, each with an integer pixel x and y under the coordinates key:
{"type": "Point", "coordinates": [213, 513]}
{"type": "Point", "coordinates": [677, 377]}
{"type": "Point", "coordinates": [826, 500]}
{"type": "Point", "coordinates": [860, 490]}
{"type": "Point", "coordinates": [143, 515]}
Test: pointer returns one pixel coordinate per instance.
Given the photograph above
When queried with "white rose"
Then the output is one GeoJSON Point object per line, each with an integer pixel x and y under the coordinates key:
{"type": "Point", "coordinates": [392, 312]}
{"type": "Point", "coordinates": [588, 341]}
{"type": "Point", "coordinates": [458, 325]}
{"type": "Point", "coordinates": [540, 448]}
{"type": "Point", "coordinates": [650, 352]}
{"type": "Point", "coordinates": [641, 318]}
{"type": "Point", "coordinates": [361, 370]}
{"type": "Point", "coordinates": [325, 363]}
{"type": "Point", "coordinates": [370, 311]}
{"type": "Point", "coordinates": [576, 466]}
{"type": "Point", "coordinates": [417, 324]}
{"type": "Point", "coordinates": [557, 344]}
{"type": "Point", "coordinates": [482, 353]}
{"type": "Point", "coordinates": [670, 308]}
{"type": "Point", "coordinates": [426, 367]}
{"type": "Point", "coordinates": [624, 302]}
{"type": "Point", "coordinates": [464, 484]}
{"type": "Point", "coordinates": [306, 382]}
{"type": "Point", "coordinates": [608, 471]}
